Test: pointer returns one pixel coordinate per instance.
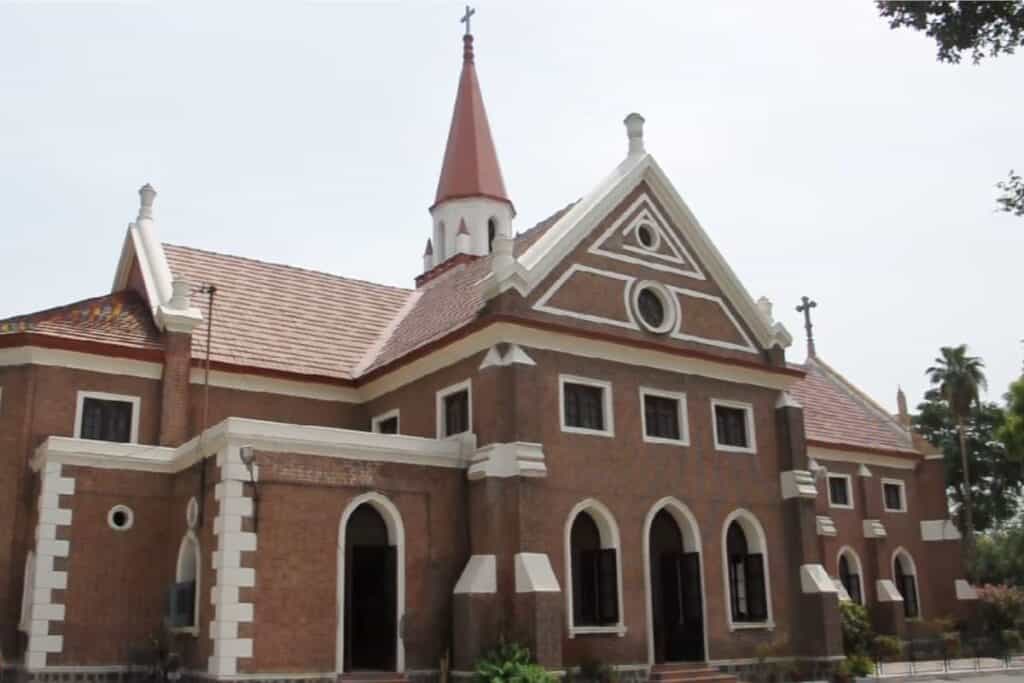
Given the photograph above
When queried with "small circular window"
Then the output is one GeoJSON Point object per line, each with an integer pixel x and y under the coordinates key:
{"type": "Point", "coordinates": [647, 236]}
{"type": "Point", "coordinates": [120, 518]}
{"type": "Point", "coordinates": [654, 307]}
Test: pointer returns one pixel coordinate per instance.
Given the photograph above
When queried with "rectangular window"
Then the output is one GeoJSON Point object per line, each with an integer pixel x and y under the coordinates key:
{"type": "Point", "coordinates": [107, 417]}
{"type": "Point", "coordinates": [386, 423]}
{"type": "Point", "coordinates": [595, 577]}
{"type": "Point", "coordinates": [734, 426]}
{"type": "Point", "coordinates": [894, 496]}
{"type": "Point", "coordinates": [839, 495]}
{"type": "Point", "coordinates": [454, 410]}
{"type": "Point", "coordinates": [585, 406]}
{"type": "Point", "coordinates": [664, 416]}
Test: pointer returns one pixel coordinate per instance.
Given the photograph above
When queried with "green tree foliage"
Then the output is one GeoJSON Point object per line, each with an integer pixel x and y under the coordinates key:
{"type": "Point", "coordinates": [1000, 557]}
{"type": "Point", "coordinates": [980, 29]}
{"type": "Point", "coordinates": [995, 479]}
{"type": "Point", "coordinates": [1012, 199]}
{"type": "Point", "coordinates": [1001, 607]}
{"type": "Point", "coordinates": [857, 633]}
{"type": "Point", "coordinates": [1011, 434]}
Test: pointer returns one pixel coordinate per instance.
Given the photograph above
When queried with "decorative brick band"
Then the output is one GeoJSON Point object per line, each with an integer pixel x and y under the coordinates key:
{"type": "Point", "coordinates": [43, 607]}
{"type": "Point", "coordinates": [231, 575]}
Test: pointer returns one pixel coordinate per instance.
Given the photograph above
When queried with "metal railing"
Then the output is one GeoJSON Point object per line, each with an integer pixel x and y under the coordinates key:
{"type": "Point", "coordinates": [946, 655]}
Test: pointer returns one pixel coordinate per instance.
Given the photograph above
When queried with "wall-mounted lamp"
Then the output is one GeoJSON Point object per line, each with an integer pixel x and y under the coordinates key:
{"type": "Point", "coordinates": [248, 457]}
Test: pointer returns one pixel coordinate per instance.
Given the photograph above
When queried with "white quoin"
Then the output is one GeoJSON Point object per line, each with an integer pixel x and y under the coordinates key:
{"type": "Point", "coordinates": [482, 215]}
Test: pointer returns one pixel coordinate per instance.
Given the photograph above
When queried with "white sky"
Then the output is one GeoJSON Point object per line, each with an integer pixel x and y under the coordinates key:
{"type": "Point", "coordinates": [824, 153]}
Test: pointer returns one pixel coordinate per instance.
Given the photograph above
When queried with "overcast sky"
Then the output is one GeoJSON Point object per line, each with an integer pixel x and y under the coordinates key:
{"type": "Point", "coordinates": [824, 153]}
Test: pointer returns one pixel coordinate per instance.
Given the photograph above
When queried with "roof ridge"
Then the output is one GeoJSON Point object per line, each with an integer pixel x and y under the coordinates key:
{"type": "Point", "coordinates": [290, 267]}
{"type": "Point", "coordinates": [120, 294]}
{"type": "Point", "coordinates": [854, 392]}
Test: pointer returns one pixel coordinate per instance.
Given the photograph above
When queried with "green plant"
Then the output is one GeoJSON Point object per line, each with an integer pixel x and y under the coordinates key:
{"type": "Point", "coordinates": [595, 671]}
{"type": "Point", "coordinates": [856, 665]}
{"type": "Point", "coordinates": [1011, 640]}
{"type": "Point", "coordinates": [510, 663]}
{"type": "Point", "coordinates": [857, 633]}
{"type": "Point", "coordinates": [951, 644]}
{"type": "Point", "coordinates": [887, 647]}
{"type": "Point", "coordinates": [1000, 607]}
{"type": "Point", "coordinates": [779, 668]}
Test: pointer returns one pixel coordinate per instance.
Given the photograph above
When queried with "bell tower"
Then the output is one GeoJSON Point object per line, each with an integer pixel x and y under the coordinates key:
{"type": "Point", "coordinates": [471, 207]}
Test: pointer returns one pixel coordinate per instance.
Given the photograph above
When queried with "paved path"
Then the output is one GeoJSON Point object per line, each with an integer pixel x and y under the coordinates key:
{"type": "Point", "coordinates": [988, 677]}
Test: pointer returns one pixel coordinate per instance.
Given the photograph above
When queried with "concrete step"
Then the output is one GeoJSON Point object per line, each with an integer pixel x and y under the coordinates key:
{"type": "Point", "coordinates": [372, 677]}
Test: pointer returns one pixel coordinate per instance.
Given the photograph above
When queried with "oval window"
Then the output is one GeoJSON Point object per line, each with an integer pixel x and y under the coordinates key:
{"type": "Point", "coordinates": [647, 237]}
{"type": "Point", "coordinates": [120, 518]}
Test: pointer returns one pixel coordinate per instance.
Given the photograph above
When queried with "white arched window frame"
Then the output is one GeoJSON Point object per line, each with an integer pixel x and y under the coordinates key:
{"type": "Point", "coordinates": [608, 529]}
{"type": "Point", "coordinates": [396, 537]}
{"type": "Point", "coordinates": [188, 568]}
{"type": "Point", "coordinates": [909, 568]}
{"type": "Point", "coordinates": [756, 543]}
{"type": "Point", "coordinates": [27, 589]}
{"type": "Point", "coordinates": [853, 561]}
{"type": "Point", "coordinates": [687, 524]}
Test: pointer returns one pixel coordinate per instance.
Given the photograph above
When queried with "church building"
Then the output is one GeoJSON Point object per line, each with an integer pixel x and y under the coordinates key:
{"type": "Point", "coordinates": [584, 436]}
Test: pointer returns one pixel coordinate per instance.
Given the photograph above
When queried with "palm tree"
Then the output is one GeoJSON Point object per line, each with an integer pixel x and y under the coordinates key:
{"type": "Point", "coordinates": [958, 378]}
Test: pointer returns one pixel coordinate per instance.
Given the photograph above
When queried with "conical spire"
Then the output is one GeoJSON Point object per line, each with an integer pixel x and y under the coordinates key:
{"type": "Point", "coordinates": [470, 161]}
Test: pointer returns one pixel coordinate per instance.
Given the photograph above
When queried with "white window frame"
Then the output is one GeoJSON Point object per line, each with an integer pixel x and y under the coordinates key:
{"type": "Point", "coordinates": [606, 405]}
{"type": "Point", "coordinates": [849, 490]}
{"type": "Point", "coordinates": [756, 542]}
{"type": "Point", "coordinates": [748, 408]}
{"type": "Point", "coordinates": [903, 495]}
{"type": "Point", "coordinates": [684, 423]}
{"type": "Point", "coordinates": [466, 385]}
{"type": "Point", "coordinates": [608, 529]}
{"type": "Point", "coordinates": [136, 402]}
{"type": "Point", "coordinates": [396, 413]}
{"type": "Point", "coordinates": [190, 538]}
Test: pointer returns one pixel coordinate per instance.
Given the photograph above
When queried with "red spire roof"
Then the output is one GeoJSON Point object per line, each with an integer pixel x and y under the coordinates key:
{"type": "Point", "coordinates": [470, 162]}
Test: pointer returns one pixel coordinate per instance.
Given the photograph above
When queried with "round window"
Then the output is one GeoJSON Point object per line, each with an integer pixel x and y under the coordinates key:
{"type": "Point", "coordinates": [647, 236]}
{"type": "Point", "coordinates": [654, 307]}
{"type": "Point", "coordinates": [120, 518]}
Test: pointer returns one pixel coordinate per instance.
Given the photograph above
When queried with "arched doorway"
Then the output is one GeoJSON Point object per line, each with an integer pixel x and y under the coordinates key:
{"type": "Point", "coordinates": [674, 567]}
{"type": "Point", "coordinates": [370, 592]}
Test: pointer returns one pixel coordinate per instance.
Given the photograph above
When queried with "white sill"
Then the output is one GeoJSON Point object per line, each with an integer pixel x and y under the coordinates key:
{"type": "Point", "coordinates": [186, 631]}
{"type": "Point", "coordinates": [615, 629]}
{"type": "Point", "coordinates": [592, 432]}
{"type": "Point", "coordinates": [902, 512]}
{"type": "Point", "coordinates": [665, 441]}
{"type": "Point", "coordinates": [836, 506]}
{"type": "Point", "coordinates": [752, 626]}
{"type": "Point", "coordinates": [735, 449]}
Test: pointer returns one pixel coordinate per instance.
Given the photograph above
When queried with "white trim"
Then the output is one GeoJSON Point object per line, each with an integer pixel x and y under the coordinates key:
{"type": "Point", "coordinates": [939, 530]}
{"type": "Point", "coordinates": [756, 542]}
{"type": "Point", "coordinates": [748, 346]}
{"type": "Point", "coordinates": [244, 381]}
{"type": "Point", "coordinates": [684, 423]}
{"type": "Point", "coordinates": [543, 307]}
{"type": "Point", "coordinates": [903, 494]}
{"type": "Point", "coordinates": [669, 305]}
{"type": "Point", "coordinates": [396, 537]}
{"type": "Point", "coordinates": [375, 422]}
{"type": "Point", "coordinates": [38, 355]}
{"type": "Point", "coordinates": [898, 552]}
{"type": "Point", "coordinates": [835, 455]}
{"type": "Point", "coordinates": [190, 538]}
{"type": "Point", "coordinates": [608, 417]}
{"type": "Point", "coordinates": [534, 574]}
{"type": "Point", "coordinates": [850, 505]}
{"type": "Point", "coordinates": [859, 568]}
{"type": "Point", "coordinates": [748, 408]}
{"type": "Point", "coordinates": [690, 532]}
{"type": "Point", "coordinates": [608, 528]}
{"type": "Point", "coordinates": [27, 589]}
{"type": "Point", "coordinates": [135, 401]}
{"type": "Point", "coordinates": [129, 517]}
{"type": "Point", "coordinates": [439, 397]}
{"type": "Point", "coordinates": [479, 576]}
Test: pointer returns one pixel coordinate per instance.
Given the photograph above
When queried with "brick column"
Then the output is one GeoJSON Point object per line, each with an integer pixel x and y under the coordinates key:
{"type": "Point", "coordinates": [174, 397]}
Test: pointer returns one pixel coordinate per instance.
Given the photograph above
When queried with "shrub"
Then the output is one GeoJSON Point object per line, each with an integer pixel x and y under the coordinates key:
{"type": "Point", "coordinates": [1011, 640]}
{"type": "Point", "coordinates": [1000, 607]}
{"type": "Point", "coordinates": [857, 665]}
{"type": "Point", "coordinates": [594, 671]}
{"type": "Point", "coordinates": [857, 633]}
{"type": "Point", "coordinates": [887, 647]}
{"type": "Point", "coordinates": [511, 663]}
{"type": "Point", "coordinates": [951, 644]}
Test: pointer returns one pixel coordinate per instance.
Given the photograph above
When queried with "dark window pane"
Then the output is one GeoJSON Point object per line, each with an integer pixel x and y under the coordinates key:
{"type": "Point", "coordinates": [607, 587]}
{"type": "Point", "coordinates": [661, 417]}
{"type": "Point", "coordinates": [893, 496]}
{"type": "Point", "coordinates": [838, 491]}
{"type": "Point", "coordinates": [456, 413]}
{"type": "Point", "coordinates": [755, 588]}
{"type": "Point", "coordinates": [651, 308]}
{"type": "Point", "coordinates": [388, 426]}
{"type": "Point", "coordinates": [594, 575]}
{"type": "Point", "coordinates": [106, 420]}
{"type": "Point", "coordinates": [731, 426]}
{"type": "Point", "coordinates": [584, 406]}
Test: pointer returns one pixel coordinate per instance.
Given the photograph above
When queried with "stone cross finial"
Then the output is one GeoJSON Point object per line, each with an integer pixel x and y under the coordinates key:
{"type": "Point", "coordinates": [465, 18]}
{"type": "Point", "coordinates": [805, 308]}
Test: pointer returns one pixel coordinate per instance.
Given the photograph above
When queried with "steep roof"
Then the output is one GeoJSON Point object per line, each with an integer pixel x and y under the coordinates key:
{"type": "Point", "coordinates": [470, 166]}
{"type": "Point", "coordinates": [123, 319]}
{"type": "Point", "coordinates": [286, 319]}
{"type": "Point", "coordinates": [836, 412]}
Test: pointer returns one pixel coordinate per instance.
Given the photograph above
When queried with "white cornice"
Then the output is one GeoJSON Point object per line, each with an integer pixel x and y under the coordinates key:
{"type": "Point", "coordinates": [875, 459]}
{"type": "Point", "coordinates": [276, 385]}
{"type": "Point", "coordinates": [92, 362]}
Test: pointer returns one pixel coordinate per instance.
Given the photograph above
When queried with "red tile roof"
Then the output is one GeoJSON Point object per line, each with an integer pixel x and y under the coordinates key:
{"type": "Point", "coordinates": [836, 412]}
{"type": "Point", "coordinates": [285, 319]}
{"type": "Point", "coordinates": [122, 319]}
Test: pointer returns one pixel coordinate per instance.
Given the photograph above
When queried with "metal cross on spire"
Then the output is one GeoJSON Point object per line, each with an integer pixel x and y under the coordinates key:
{"type": "Point", "coordinates": [805, 308]}
{"type": "Point", "coordinates": [465, 18]}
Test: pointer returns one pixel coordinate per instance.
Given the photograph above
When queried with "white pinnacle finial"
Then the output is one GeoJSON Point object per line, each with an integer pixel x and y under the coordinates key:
{"type": "Point", "coordinates": [635, 131]}
{"type": "Point", "coordinates": [179, 294]}
{"type": "Point", "coordinates": [146, 196]}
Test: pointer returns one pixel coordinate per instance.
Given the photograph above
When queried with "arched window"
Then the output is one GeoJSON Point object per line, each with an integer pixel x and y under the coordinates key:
{"type": "Point", "coordinates": [593, 558]}
{"type": "Point", "coordinates": [745, 570]}
{"type": "Point", "coordinates": [850, 575]}
{"type": "Point", "coordinates": [183, 601]}
{"type": "Point", "coordinates": [492, 232]}
{"type": "Point", "coordinates": [904, 573]}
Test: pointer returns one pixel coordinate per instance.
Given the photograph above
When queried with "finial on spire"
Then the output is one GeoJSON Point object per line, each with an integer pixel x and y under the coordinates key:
{"type": "Point", "coordinates": [805, 308]}
{"type": "Point", "coordinates": [146, 196]}
{"type": "Point", "coordinates": [635, 132]}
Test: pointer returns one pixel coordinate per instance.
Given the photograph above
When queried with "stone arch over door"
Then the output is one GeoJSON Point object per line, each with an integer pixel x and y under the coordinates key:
{"type": "Point", "coordinates": [392, 518]}
{"type": "Point", "coordinates": [689, 531]}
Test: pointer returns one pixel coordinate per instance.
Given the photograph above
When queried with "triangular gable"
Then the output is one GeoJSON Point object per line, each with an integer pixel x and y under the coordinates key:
{"type": "Point", "coordinates": [143, 260]}
{"type": "Point", "coordinates": [552, 248]}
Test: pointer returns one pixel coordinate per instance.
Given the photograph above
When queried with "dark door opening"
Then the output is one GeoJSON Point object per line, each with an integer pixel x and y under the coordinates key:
{"type": "Point", "coordinates": [676, 606]}
{"type": "Point", "coordinates": [371, 589]}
